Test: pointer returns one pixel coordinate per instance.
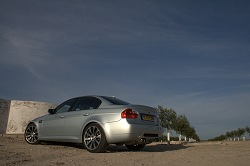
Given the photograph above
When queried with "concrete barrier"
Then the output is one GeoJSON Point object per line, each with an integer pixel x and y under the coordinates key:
{"type": "Point", "coordinates": [15, 114]}
{"type": "Point", "coordinates": [4, 115]}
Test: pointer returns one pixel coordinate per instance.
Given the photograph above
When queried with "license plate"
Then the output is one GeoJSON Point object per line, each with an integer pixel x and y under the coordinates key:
{"type": "Point", "coordinates": [147, 117]}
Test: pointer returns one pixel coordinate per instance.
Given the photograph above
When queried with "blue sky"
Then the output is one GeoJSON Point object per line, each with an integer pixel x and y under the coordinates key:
{"type": "Point", "coordinates": [192, 56]}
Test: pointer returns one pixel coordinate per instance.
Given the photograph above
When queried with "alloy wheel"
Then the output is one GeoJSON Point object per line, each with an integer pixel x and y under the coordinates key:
{"type": "Point", "coordinates": [31, 134]}
{"type": "Point", "coordinates": [94, 139]}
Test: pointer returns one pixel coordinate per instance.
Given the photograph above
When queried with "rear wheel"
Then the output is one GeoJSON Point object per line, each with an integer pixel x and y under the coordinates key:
{"type": "Point", "coordinates": [94, 139]}
{"type": "Point", "coordinates": [31, 134]}
{"type": "Point", "coordinates": [135, 147]}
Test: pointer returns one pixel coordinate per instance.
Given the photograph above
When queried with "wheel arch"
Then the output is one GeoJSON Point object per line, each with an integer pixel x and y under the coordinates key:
{"type": "Point", "coordinates": [30, 122]}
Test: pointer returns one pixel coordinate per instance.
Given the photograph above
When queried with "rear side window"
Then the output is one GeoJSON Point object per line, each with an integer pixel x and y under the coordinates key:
{"type": "Point", "coordinates": [87, 103]}
{"type": "Point", "coordinates": [115, 101]}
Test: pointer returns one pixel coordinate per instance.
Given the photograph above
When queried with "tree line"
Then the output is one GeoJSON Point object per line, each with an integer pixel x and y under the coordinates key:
{"type": "Point", "coordinates": [232, 135]}
{"type": "Point", "coordinates": [179, 123]}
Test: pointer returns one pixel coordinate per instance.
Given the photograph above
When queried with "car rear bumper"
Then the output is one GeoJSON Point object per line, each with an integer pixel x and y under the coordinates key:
{"type": "Point", "coordinates": [124, 132]}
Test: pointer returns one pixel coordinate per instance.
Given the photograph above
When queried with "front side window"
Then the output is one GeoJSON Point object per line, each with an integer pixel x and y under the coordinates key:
{"type": "Point", "coordinates": [65, 106]}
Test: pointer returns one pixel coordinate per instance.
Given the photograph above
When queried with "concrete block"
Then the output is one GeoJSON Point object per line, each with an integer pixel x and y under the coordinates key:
{"type": "Point", "coordinates": [16, 114]}
{"type": "Point", "coordinates": [4, 114]}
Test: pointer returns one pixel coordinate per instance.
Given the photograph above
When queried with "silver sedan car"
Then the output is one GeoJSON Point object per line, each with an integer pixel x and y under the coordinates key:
{"type": "Point", "coordinates": [97, 121]}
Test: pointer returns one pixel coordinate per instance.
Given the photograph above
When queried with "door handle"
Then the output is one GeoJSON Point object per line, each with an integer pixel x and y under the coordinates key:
{"type": "Point", "coordinates": [85, 114]}
{"type": "Point", "coordinates": [61, 117]}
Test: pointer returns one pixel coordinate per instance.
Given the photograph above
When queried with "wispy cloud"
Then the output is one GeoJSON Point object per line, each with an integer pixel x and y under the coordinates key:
{"type": "Point", "coordinates": [25, 50]}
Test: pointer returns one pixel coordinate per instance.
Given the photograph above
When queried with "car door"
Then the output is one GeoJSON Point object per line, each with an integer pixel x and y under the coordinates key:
{"type": "Point", "coordinates": [53, 124]}
{"type": "Point", "coordinates": [79, 116]}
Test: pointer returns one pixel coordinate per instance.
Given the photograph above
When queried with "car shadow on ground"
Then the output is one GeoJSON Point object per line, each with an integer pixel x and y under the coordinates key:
{"type": "Point", "coordinates": [148, 148]}
{"type": "Point", "coordinates": [156, 147]}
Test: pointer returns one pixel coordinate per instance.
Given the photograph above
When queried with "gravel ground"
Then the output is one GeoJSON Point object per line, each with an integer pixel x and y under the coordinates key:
{"type": "Point", "coordinates": [15, 151]}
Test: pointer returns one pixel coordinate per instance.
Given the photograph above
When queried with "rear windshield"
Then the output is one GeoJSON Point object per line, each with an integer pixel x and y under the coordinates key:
{"type": "Point", "coordinates": [115, 101]}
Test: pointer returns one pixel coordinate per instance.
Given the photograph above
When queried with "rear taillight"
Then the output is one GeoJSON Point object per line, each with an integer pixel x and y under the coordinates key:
{"type": "Point", "coordinates": [129, 114]}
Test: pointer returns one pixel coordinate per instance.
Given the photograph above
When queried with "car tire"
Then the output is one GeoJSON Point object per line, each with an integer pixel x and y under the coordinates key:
{"type": "Point", "coordinates": [31, 134]}
{"type": "Point", "coordinates": [94, 139]}
{"type": "Point", "coordinates": [135, 147]}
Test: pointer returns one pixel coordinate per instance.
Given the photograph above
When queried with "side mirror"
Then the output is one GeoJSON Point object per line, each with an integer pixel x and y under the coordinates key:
{"type": "Point", "coordinates": [51, 111]}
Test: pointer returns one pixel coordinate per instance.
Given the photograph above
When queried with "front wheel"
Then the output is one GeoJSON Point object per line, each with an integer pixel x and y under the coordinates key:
{"type": "Point", "coordinates": [135, 147]}
{"type": "Point", "coordinates": [94, 139]}
{"type": "Point", "coordinates": [31, 134]}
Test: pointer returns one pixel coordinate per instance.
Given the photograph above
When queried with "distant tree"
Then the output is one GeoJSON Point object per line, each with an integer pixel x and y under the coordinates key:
{"type": "Point", "coordinates": [190, 133]}
{"type": "Point", "coordinates": [182, 124]}
{"type": "Point", "coordinates": [229, 135]}
{"type": "Point", "coordinates": [234, 134]}
{"type": "Point", "coordinates": [219, 138]}
{"type": "Point", "coordinates": [247, 130]}
{"type": "Point", "coordinates": [196, 137]}
{"type": "Point", "coordinates": [240, 132]}
{"type": "Point", "coordinates": [167, 119]}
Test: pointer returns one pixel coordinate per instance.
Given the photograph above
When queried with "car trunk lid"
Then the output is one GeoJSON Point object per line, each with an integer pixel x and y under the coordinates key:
{"type": "Point", "coordinates": [147, 115]}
